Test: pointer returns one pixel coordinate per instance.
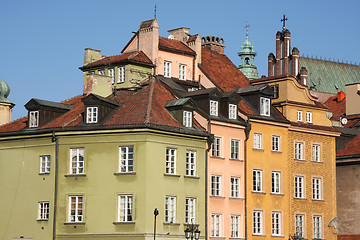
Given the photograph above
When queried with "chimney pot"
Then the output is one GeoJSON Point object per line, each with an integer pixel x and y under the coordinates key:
{"type": "Point", "coordinates": [340, 96]}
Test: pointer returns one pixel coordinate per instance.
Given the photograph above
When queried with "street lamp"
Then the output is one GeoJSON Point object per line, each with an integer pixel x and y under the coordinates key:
{"type": "Point", "coordinates": [296, 236]}
{"type": "Point", "coordinates": [192, 230]}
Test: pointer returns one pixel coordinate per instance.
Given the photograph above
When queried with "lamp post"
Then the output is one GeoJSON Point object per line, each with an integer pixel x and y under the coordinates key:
{"type": "Point", "coordinates": [296, 236]}
{"type": "Point", "coordinates": [156, 212]}
{"type": "Point", "coordinates": [192, 231]}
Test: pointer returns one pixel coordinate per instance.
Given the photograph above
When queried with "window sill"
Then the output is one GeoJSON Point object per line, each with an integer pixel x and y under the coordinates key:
{"type": "Point", "coordinates": [75, 175]}
{"type": "Point", "coordinates": [236, 198]}
{"type": "Point", "coordinates": [42, 220]}
{"type": "Point", "coordinates": [299, 198]}
{"type": "Point", "coordinates": [317, 162]}
{"type": "Point", "coordinates": [258, 149]}
{"type": "Point", "coordinates": [277, 194]}
{"type": "Point", "coordinates": [74, 223]}
{"type": "Point", "coordinates": [125, 173]}
{"type": "Point", "coordinates": [279, 236]}
{"type": "Point", "coordinates": [318, 200]}
{"type": "Point", "coordinates": [218, 237]}
{"type": "Point", "coordinates": [216, 196]}
{"type": "Point", "coordinates": [189, 224]}
{"type": "Point", "coordinates": [194, 177]}
{"type": "Point", "coordinates": [275, 151]}
{"type": "Point", "coordinates": [169, 223]}
{"type": "Point", "coordinates": [47, 173]}
{"type": "Point", "coordinates": [236, 238]}
{"type": "Point", "coordinates": [258, 192]}
{"type": "Point", "coordinates": [238, 160]}
{"type": "Point", "coordinates": [300, 160]}
{"type": "Point", "coordinates": [171, 175]}
{"type": "Point", "coordinates": [259, 234]}
{"type": "Point", "coordinates": [120, 223]}
{"type": "Point", "coordinates": [218, 157]}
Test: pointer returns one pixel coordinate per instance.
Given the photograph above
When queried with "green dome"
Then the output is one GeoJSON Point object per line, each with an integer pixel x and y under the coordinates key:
{"type": "Point", "coordinates": [4, 92]}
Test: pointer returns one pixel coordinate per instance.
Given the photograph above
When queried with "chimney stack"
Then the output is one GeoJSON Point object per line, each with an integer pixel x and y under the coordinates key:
{"type": "Point", "coordinates": [271, 65]}
{"type": "Point", "coordinates": [340, 96]}
{"type": "Point", "coordinates": [214, 43]}
{"type": "Point", "coordinates": [352, 99]}
{"type": "Point", "coordinates": [181, 34]}
{"type": "Point", "coordinates": [303, 76]}
{"type": "Point", "coordinates": [91, 55]}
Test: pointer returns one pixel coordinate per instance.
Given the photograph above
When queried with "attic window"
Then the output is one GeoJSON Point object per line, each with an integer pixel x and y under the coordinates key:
{"type": "Point", "coordinates": [264, 106]}
{"type": "Point", "coordinates": [187, 119]}
{"type": "Point", "coordinates": [91, 114]}
{"type": "Point", "coordinates": [213, 108]}
{"type": "Point", "coordinates": [34, 119]}
{"type": "Point", "coordinates": [232, 111]}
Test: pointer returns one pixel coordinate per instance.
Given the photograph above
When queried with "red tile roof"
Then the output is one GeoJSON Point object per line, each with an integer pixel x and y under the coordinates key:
{"type": "Point", "coordinates": [337, 108]}
{"type": "Point", "coordinates": [14, 126]}
{"type": "Point", "coordinates": [221, 71]}
{"type": "Point", "coordinates": [315, 127]}
{"type": "Point", "coordinates": [245, 108]}
{"type": "Point", "coordinates": [174, 46]}
{"type": "Point", "coordinates": [348, 237]}
{"type": "Point", "coordinates": [351, 148]}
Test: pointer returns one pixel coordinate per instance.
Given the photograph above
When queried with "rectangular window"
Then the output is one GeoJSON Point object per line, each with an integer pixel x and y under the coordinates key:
{"type": "Point", "coordinates": [76, 209]}
{"type": "Point", "coordinates": [34, 119]}
{"type": "Point", "coordinates": [264, 106]}
{"type": "Point", "coordinates": [299, 116]}
{"type": "Point", "coordinates": [257, 181]}
{"type": "Point", "coordinates": [125, 208]}
{"type": "Point", "coordinates": [276, 223]}
{"type": "Point", "coordinates": [299, 187]}
{"type": "Point", "coordinates": [216, 225]}
{"type": "Point", "coordinates": [300, 225]}
{"type": "Point", "coordinates": [257, 221]}
{"type": "Point", "coordinates": [299, 151]}
{"type": "Point", "coordinates": [275, 182]}
{"type": "Point", "coordinates": [316, 152]}
{"type": "Point", "coordinates": [316, 182]}
{"type": "Point", "coordinates": [167, 69]}
{"type": "Point", "coordinates": [91, 114]}
{"type": "Point", "coordinates": [232, 111]}
{"type": "Point", "coordinates": [121, 77]}
{"type": "Point", "coordinates": [309, 117]}
{"type": "Point", "coordinates": [257, 141]}
{"type": "Point", "coordinates": [317, 227]}
{"type": "Point", "coordinates": [235, 187]}
{"type": "Point", "coordinates": [112, 75]}
{"type": "Point", "coordinates": [77, 161]}
{"type": "Point", "coordinates": [190, 210]}
{"type": "Point", "coordinates": [215, 152]}
{"type": "Point", "coordinates": [214, 108]}
{"type": "Point", "coordinates": [215, 185]}
{"type": "Point", "coordinates": [235, 226]}
{"type": "Point", "coordinates": [170, 209]}
{"type": "Point", "coordinates": [126, 159]}
{"type": "Point", "coordinates": [182, 72]}
{"type": "Point", "coordinates": [101, 72]}
{"type": "Point", "coordinates": [45, 164]}
{"type": "Point", "coordinates": [234, 152]}
{"type": "Point", "coordinates": [190, 163]}
{"type": "Point", "coordinates": [275, 146]}
{"type": "Point", "coordinates": [171, 161]}
{"type": "Point", "coordinates": [43, 211]}
{"type": "Point", "coordinates": [187, 119]}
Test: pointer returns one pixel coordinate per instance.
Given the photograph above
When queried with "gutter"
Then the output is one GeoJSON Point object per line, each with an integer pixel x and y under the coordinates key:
{"type": "Point", "coordinates": [55, 139]}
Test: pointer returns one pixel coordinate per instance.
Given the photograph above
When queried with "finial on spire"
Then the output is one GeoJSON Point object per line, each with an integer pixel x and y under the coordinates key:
{"type": "Point", "coordinates": [284, 19]}
{"type": "Point", "coordinates": [247, 28]}
{"type": "Point", "coordinates": [155, 12]}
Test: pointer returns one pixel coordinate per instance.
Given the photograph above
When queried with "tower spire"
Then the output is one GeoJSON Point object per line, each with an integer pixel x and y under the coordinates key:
{"type": "Point", "coordinates": [284, 19]}
{"type": "Point", "coordinates": [155, 11]}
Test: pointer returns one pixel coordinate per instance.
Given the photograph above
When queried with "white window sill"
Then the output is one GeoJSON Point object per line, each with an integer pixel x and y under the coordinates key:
{"type": "Point", "coordinates": [236, 159]}
{"type": "Point", "coordinates": [74, 223]}
{"type": "Point", "coordinates": [277, 235]}
{"type": "Point", "coordinates": [318, 200]}
{"type": "Point", "coordinates": [317, 162]}
{"type": "Point", "coordinates": [236, 198]}
{"type": "Point", "coordinates": [275, 151]}
{"type": "Point", "coordinates": [171, 223]}
{"type": "Point", "coordinates": [171, 175]}
{"type": "Point", "coordinates": [125, 173]}
{"type": "Point", "coordinates": [42, 220]}
{"type": "Point", "coordinates": [277, 194]}
{"type": "Point", "coordinates": [300, 198]}
{"type": "Point", "coordinates": [218, 237]}
{"type": "Point", "coordinates": [218, 157]}
{"type": "Point", "coordinates": [216, 196]}
{"type": "Point", "coordinates": [44, 173]}
{"type": "Point", "coordinates": [301, 160]}
{"type": "Point", "coordinates": [195, 177]}
{"type": "Point", "coordinates": [75, 175]}
{"type": "Point", "coordinates": [258, 192]}
{"type": "Point", "coordinates": [259, 234]}
{"type": "Point", "coordinates": [119, 223]}
{"type": "Point", "coordinates": [258, 149]}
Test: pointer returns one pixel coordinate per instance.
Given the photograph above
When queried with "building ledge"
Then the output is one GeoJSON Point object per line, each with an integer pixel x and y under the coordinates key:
{"type": "Point", "coordinates": [171, 175]}
{"type": "Point", "coordinates": [168, 223]}
{"type": "Point", "coordinates": [194, 177]}
{"type": "Point", "coordinates": [75, 175]}
{"type": "Point", "coordinates": [125, 173]}
{"type": "Point", "coordinates": [74, 223]}
{"type": "Point", "coordinates": [120, 223]}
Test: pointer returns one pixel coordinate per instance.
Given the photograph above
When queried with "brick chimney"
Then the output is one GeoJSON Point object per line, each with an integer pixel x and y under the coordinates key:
{"type": "Point", "coordinates": [216, 44]}
{"type": "Point", "coordinates": [271, 65]}
{"type": "Point", "coordinates": [340, 96]}
{"type": "Point", "coordinates": [295, 62]}
{"type": "Point", "coordinates": [149, 38]}
{"type": "Point", "coordinates": [352, 99]}
{"type": "Point", "coordinates": [303, 76]}
{"type": "Point", "coordinates": [91, 55]}
{"type": "Point", "coordinates": [279, 44]}
{"type": "Point", "coordinates": [181, 34]}
{"type": "Point", "coordinates": [286, 51]}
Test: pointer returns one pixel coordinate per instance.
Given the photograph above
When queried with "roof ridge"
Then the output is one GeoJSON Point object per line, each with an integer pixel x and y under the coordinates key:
{"type": "Point", "coordinates": [149, 108]}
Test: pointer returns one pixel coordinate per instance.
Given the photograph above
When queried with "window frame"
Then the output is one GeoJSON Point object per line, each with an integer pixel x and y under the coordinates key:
{"type": "Point", "coordinates": [257, 222]}
{"type": "Point", "coordinates": [232, 111]}
{"type": "Point", "coordinates": [257, 181]}
{"type": "Point", "coordinates": [235, 226]}
{"type": "Point", "coordinates": [45, 164]}
{"type": "Point", "coordinates": [170, 167]}
{"type": "Point", "coordinates": [276, 227]}
{"type": "Point", "coordinates": [316, 153]}
{"type": "Point", "coordinates": [216, 225]}
{"type": "Point", "coordinates": [126, 165]}
{"type": "Point", "coordinates": [101, 72]}
{"type": "Point", "coordinates": [167, 69]}
{"type": "Point", "coordinates": [215, 185]}
{"type": "Point", "coordinates": [235, 149]}
{"type": "Point", "coordinates": [300, 225]}
{"type": "Point", "coordinates": [265, 104]}
{"type": "Point", "coordinates": [317, 226]}
{"type": "Point", "coordinates": [170, 209]}
{"type": "Point", "coordinates": [316, 188]}
{"type": "Point", "coordinates": [299, 150]}
{"type": "Point", "coordinates": [187, 119]}
{"type": "Point", "coordinates": [43, 210]}
{"type": "Point", "coordinates": [309, 117]}
{"type": "Point", "coordinates": [121, 74]}
{"type": "Point", "coordinates": [257, 141]}
{"type": "Point", "coordinates": [214, 108]}
{"type": "Point", "coordinates": [111, 73]}
{"type": "Point", "coordinates": [182, 71]}
{"type": "Point", "coordinates": [190, 210]}
{"type": "Point", "coordinates": [234, 187]}
{"type": "Point", "coordinates": [190, 168]}
{"type": "Point", "coordinates": [79, 164]}
{"type": "Point", "coordinates": [299, 187]}
{"type": "Point", "coordinates": [92, 114]}
{"type": "Point", "coordinates": [78, 212]}
{"type": "Point", "coordinates": [125, 208]}
{"type": "Point", "coordinates": [216, 147]}
{"type": "Point", "coordinates": [275, 143]}
{"type": "Point", "coordinates": [34, 119]}
{"type": "Point", "coordinates": [276, 182]}
{"type": "Point", "coordinates": [299, 115]}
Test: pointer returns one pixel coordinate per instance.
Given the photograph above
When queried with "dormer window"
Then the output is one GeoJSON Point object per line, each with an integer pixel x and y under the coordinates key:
{"type": "Point", "coordinates": [167, 69]}
{"type": "Point", "coordinates": [182, 72]}
{"type": "Point", "coordinates": [192, 89]}
{"type": "Point", "coordinates": [187, 119]}
{"type": "Point", "coordinates": [214, 108]}
{"type": "Point", "coordinates": [264, 106]}
{"type": "Point", "coordinates": [232, 111]}
{"type": "Point", "coordinates": [299, 116]}
{"type": "Point", "coordinates": [91, 114]}
{"type": "Point", "coordinates": [34, 119]}
{"type": "Point", "coordinates": [309, 117]}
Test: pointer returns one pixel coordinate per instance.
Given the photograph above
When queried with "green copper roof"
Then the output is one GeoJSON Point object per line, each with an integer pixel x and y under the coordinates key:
{"type": "Point", "coordinates": [329, 76]}
{"type": "Point", "coordinates": [4, 92]}
{"type": "Point", "coordinates": [247, 55]}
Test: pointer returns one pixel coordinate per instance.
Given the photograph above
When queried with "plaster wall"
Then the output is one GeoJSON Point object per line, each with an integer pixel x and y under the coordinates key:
{"type": "Point", "coordinates": [5, 113]}
{"type": "Point", "coordinates": [175, 59]}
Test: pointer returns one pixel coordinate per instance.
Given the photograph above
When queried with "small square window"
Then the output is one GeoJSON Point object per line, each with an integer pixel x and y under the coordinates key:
{"type": "Point", "coordinates": [187, 119]}
{"type": "Point", "coordinates": [214, 108]}
{"type": "Point", "coordinates": [34, 119]}
{"type": "Point", "coordinates": [91, 115]}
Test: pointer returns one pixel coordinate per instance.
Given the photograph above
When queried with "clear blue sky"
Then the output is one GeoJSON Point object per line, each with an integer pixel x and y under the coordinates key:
{"type": "Point", "coordinates": [42, 42]}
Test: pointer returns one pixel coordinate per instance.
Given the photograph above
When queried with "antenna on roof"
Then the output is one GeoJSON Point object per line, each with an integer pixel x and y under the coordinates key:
{"type": "Point", "coordinates": [155, 11]}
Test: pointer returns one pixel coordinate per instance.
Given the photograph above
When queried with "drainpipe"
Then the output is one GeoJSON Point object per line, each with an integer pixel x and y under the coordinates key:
{"type": "Point", "coordinates": [55, 139]}
{"type": "Point", "coordinates": [247, 134]}
{"type": "Point", "coordinates": [207, 177]}
{"type": "Point", "coordinates": [193, 78]}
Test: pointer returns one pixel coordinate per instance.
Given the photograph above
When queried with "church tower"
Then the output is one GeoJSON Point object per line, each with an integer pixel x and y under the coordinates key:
{"type": "Point", "coordinates": [247, 55]}
{"type": "Point", "coordinates": [5, 105]}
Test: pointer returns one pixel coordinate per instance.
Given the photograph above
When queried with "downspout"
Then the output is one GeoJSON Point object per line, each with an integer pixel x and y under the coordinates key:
{"type": "Point", "coordinates": [55, 139]}
{"type": "Point", "coordinates": [210, 141]}
{"type": "Point", "coordinates": [193, 78]}
{"type": "Point", "coordinates": [247, 134]}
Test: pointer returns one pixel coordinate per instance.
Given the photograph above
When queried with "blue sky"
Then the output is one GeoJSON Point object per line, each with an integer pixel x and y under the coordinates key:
{"type": "Point", "coordinates": [42, 42]}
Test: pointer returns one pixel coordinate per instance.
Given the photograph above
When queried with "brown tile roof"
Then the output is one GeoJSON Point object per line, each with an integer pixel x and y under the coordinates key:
{"type": "Point", "coordinates": [351, 148]}
{"type": "Point", "coordinates": [348, 237]}
{"type": "Point", "coordinates": [173, 45]}
{"type": "Point", "coordinates": [245, 108]}
{"type": "Point", "coordinates": [315, 127]}
{"type": "Point", "coordinates": [137, 56]}
{"type": "Point", "coordinates": [337, 108]}
{"type": "Point", "coordinates": [14, 126]}
{"type": "Point", "coordinates": [221, 71]}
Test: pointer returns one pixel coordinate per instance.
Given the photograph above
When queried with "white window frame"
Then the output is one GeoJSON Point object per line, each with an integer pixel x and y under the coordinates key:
{"type": "Point", "coordinates": [316, 150]}
{"type": "Point", "coordinates": [187, 119]}
{"type": "Point", "coordinates": [43, 213]}
{"type": "Point", "coordinates": [101, 72]}
{"type": "Point", "coordinates": [171, 161]}
{"type": "Point", "coordinates": [190, 210]}
{"type": "Point", "coordinates": [257, 141]}
{"type": "Point", "coordinates": [275, 143]}
{"type": "Point", "coordinates": [257, 222]}
{"type": "Point", "coordinates": [216, 147]}
{"type": "Point", "coordinates": [45, 164]}
{"type": "Point", "coordinates": [257, 180]}
{"type": "Point", "coordinates": [77, 165]}
{"type": "Point", "coordinates": [216, 225]}
{"type": "Point", "coordinates": [276, 223]}
{"type": "Point", "coordinates": [299, 116]}
{"type": "Point", "coordinates": [309, 117]}
{"type": "Point", "coordinates": [299, 151]}
{"type": "Point", "coordinates": [125, 208]}
{"type": "Point", "coordinates": [235, 187]}
{"type": "Point", "coordinates": [190, 163]}
{"type": "Point", "coordinates": [33, 119]}
{"type": "Point", "coordinates": [214, 108]}
{"type": "Point", "coordinates": [76, 214]}
{"type": "Point", "coordinates": [170, 209]}
{"type": "Point", "coordinates": [275, 182]}
{"type": "Point", "coordinates": [182, 71]}
{"type": "Point", "coordinates": [111, 73]}
{"type": "Point", "coordinates": [167, 69]}
{"type": "Point", "coordinates": [299, 187]}
{"type": "Point", "coordinates": [126, 159]}
{"type": "Point", "coordinates": [232, 111]}
{"type": "Point", "coordinates": [235, 226]}
{"type": "Point", "coordinates": [265, 106]}
{"type": "Point", "coordinates": [121, 74]}
{"type": "Point", "coordinates": [235, 149]}
{"type": "Point", "coordinates": [316, 188]}
{"type": "Point", "coordinates": [91, 114]}
{"type": "Point", "coordinates": [216, 185]}
{"type": "Point", "coordinates": [300, 225]}
{"type": "Point", "coordinates": [317, 226]}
